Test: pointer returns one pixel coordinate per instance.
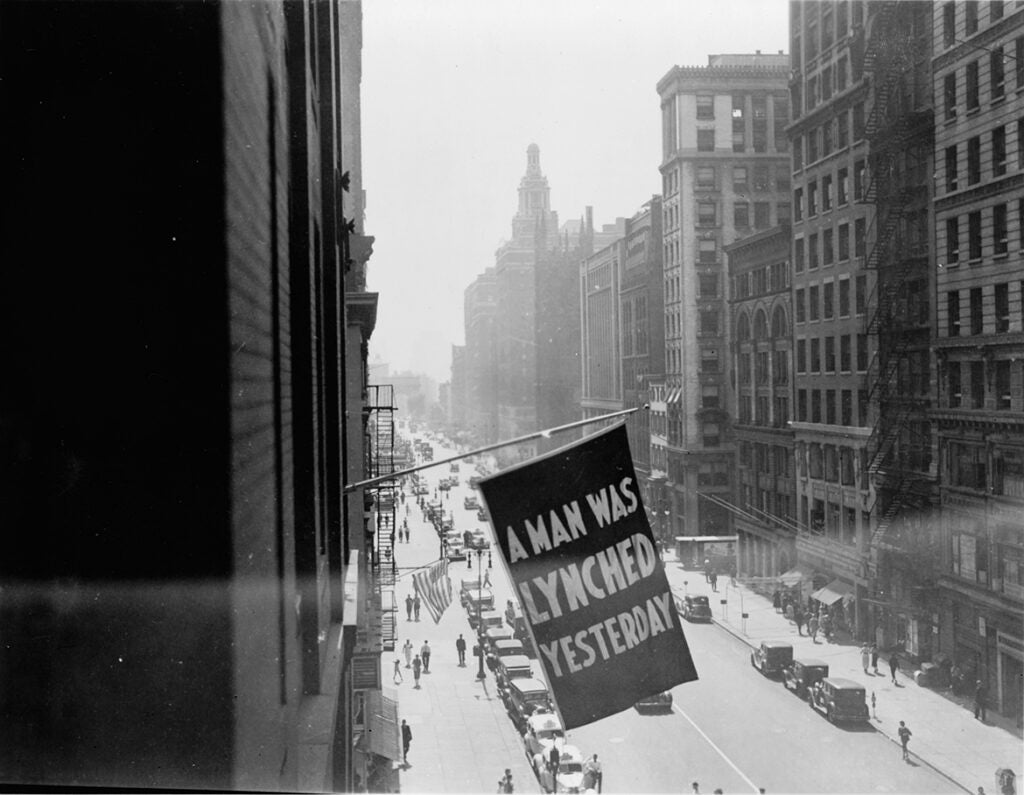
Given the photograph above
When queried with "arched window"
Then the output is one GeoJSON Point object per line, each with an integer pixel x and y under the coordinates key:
{"type": "Point", "coordinates": [780, 328]}
{"type": "Point", "coordinates": [760, 325]}
{"type": "Point", "coordinates": [743, 328]}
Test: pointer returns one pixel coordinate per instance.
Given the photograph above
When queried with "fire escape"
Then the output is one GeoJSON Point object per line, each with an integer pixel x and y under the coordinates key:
{"type": "Point", "coordinates": [899, 130]}
{"type": "Point", "coordinates": [380, 451]}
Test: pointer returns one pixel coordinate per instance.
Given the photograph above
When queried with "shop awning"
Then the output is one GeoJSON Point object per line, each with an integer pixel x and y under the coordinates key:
{"type": "Point", "coordinates": [795, 575]}
{"type": "Point", "coordinates": [383, 734]}
{"type": "Point", "coordinates": [832, 592]}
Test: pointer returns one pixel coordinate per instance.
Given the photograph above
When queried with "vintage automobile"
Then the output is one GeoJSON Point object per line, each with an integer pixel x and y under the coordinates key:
{"type": "Point", "coordinates": [481, 514]}
{"type": "Point", "coordinates": [470, 504]}
{"type": "Point", "coordinates": [454, 467]}
{"type": "Point", "coordinates": [478, 540]}
{"type": "Point", "coordinates": [655, 702]}
{"type": "Point", "coordinates": [476, 600]}
{"type": "Point", "coordinates": [801, 675]}
{"type": "Point", "coordinates": [771, 657]}
{"type": "Point", "coordinates": [839, 700]}
{"type": "Point", "coordinates": [696, 608]}
{"type": "Point", "coordinates": [569, 775]}
{"type": "Point", "coordinates": [526, 697]}
{"type": "Point", "coordinates": [456, 552]}
{"type": "Point", "coordinates": [493, 634]}
{"type": "Point", "coordinates": [507, 669]}
{"type": "Point", "coordinates": [488, 618]}
{"type": "Point", "coordinates": [542, 731]}
{"type": "Point", "coordinates": [507, 648]}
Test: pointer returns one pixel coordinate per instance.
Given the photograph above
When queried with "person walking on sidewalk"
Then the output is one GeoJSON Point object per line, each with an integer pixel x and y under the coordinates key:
{"type": "Point", "coordinates": [874, 657]}
{"type": "Point", "coordinates": [417, 667]}
{"type": "Point", "coordinates": [812, 628]}
{"type": "Point", "coordinates": [408, 607]}
{"type": "Point", "coordinates": [980, 695]}
{"type": "Point", "coordinates": [425, 654]}
{"type": "Point", "coordinates": [398, 672]}
{"type": "Point", "coordinates": [798, 617]}
{"type": "Point", "coordinates": [904, 733]}
{"type": "Point", "coordinates": [407, 649]}
{"type": "Point", "coordinates": [406, 740]}
{"type": "Point", "coordinates": [460, 647]}
{"type": "Point", "coordinates": [714, 581]}
{"type": "Point", "coordinates": [416, 606]}
{"type": "Point", "coordinates": [707, 570]}
{"type": "Point", "coordinates": [505, 782]}
{"type": "Point", "coordinates": [894, 666]}
{"type": "Point", "coordinates": [865, 657]}
{"type": "Point", "coordinates": [777, 600]}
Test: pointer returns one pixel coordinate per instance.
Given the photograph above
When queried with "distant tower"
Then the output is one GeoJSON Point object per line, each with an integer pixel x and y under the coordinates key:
{"type": "Point", "coordinates": [534, 202]}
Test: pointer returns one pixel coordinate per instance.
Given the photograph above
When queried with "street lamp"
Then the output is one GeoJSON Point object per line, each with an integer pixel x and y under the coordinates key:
{"type": "Point", "coordinates": [479, 603]}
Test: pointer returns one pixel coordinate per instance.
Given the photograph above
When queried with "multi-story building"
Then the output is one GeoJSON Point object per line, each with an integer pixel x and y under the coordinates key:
{"type": "Point", "coordinates": [479, 317]}
{"type": "Point", "coordinates": [189, 597]}
{"type": "Point", "coordinates": [725, 171]}
{"type": "Point", "coordinates": [978, 68]}
{"type": "Point", "coordinates": [761, 320]}
{"type": "Point", "coordinates": [456, 406]}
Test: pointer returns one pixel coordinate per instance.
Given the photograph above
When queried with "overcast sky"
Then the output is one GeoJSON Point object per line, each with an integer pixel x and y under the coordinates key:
{"type": "Point", "coordinates": [453, 93]}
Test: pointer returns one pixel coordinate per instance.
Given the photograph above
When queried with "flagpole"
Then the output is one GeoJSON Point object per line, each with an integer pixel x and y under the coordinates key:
{"type": "Point", "coordinates": [349, 487]}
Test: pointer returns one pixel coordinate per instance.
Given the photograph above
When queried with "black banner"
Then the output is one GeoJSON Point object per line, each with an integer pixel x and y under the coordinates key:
{"type": "Point", "coordinates": [574, 535]}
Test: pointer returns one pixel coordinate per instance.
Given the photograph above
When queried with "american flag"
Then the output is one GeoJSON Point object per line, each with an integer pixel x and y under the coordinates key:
{"type": "Point", "coordinates": [434, 588]}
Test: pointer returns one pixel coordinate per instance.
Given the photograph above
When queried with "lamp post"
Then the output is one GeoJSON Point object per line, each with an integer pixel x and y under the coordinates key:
{"type": "Point", "coordinates": [479, 603]}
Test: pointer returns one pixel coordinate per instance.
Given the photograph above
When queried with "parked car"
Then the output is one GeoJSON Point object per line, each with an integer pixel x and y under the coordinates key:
{"type": "Point", "coordinates": [507, 669]}
{"type": "Point", "coordinates": [488, 618]}
{"type": "Point", "coordinates": [507, 648]}
{"type": "Point", "coordinates": [481, 514]}
{"type": "Point", "coordinates": [476, 600]}
{"type": "Point", "coordinates": [542, 731]}
{"type": "Point", "coordinates": [526, 696]}
{"type": "Point", "coordinates": [801, 675]}
{"type": "Point", "coordinates": [470, 504]}
{"type": "Point", "coordinates": [569, 775]}
{"type": "Point", "coordinates": [655, 702]}
{"type": "Point", "coordinates": [456, 552]}
{"type": "Point", "coordinates": [479, 540]}
{"type": "Point", "coordinates": [493, 634]}
{"type": "Point", "coordinates": [454, 467]}
{"type": "Point", "coordinates": [771, 657]}
{"type": "Point", "coordinates": [696, 608]}
{"type": "Point", "coordinates": [840, 700]}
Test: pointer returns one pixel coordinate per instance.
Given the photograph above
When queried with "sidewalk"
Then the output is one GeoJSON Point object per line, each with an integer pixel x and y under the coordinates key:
{"type": "Point", "coordinates": [946, 736]}
{"type": "Point", "coordinates": [462, 737]}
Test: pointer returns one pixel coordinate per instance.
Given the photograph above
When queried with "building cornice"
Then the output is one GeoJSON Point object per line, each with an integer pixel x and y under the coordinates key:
{"type": "Point", "coordinates": [361, 309]}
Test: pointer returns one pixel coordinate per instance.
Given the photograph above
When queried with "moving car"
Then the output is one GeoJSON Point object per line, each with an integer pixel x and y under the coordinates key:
{"type": "Point", "coordinates": [801, 675]}
{"type": "Point", "coordinates": [771, 657]}
{"type": "Point", "coordinates": [479, 540]}
{"type": "Point", "coordinates": [542, 731]}
{"type": "Point", "coordinates": [654, 702]}
{"type": "Point", "coordinates": [569, 775]}
{"type": "Point", "coordinates": [696, 608]}
{"type": "Point", "coordinates": [456, 552]}
{"type": "Point", "coordinates": [840, 700]}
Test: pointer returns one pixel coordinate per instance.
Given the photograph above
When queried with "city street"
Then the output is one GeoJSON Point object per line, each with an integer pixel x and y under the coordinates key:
{"type": "Point", "coordinates": [733, 729]}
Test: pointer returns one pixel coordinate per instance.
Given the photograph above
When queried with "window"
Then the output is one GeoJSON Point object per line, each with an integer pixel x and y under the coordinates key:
{"type": "Point", "coordinates": [801, 356]}
{"type": "Point", "coordinates": [843, 186]}
{"type": "Point", "coordinates": [951, 175]}
{"type": "Point", "coordinates": [782, 179]}
{"type": "Point", "coordinates": [977, 311]}
{"type": "Point", "coordinates": [801, 405]}
{"type": "Point", "coordinates": [828, 296]}
{"type": "Point", "coordinates": [741, 215]}
{"type": "Point", "coordinates": [827, 251]}
{"type": "Point", "coordinates": [841, 71]}
{"type": "Point", "coordinates": [859, 237]}
{"type": "Point", "coordinates": [949, 95]}
{"type": "Point", "coordinates": [705, 107]}
{"type": "Point", "coordinates": [844, 298]}
{"type": "Point", "coordinates": [814, 307]}
{"type": "Point", "coordinates": [949, 24]}
{"type": "Point", "coordinates": [974, 160]}
{"type": "Point", "coordinates": [845, 342]}
{"type": "Point", "coordinates": [762, 179]}
{"type": "Point", "coordinates": [954, 387]}
{"type": "Point", "coordinates": [830, 354]}
{"type": "Point", "coordinates": [827, 138]}
{"type": "Point", "coordinates": [798, 153]}
{"type": "Point", "coordinates": [815, 345]}
{"type": "Point", "coordinates": [815, 412]}
{"type": "Point", "coordinates": [739, 178]}
{"type": "Point", "coordinates": [977, 385]}
{"type": "Point", "coordinates": [1018, 61]}
{"type": "Point", "coordinates": [708, 252]}
{"type": "Point", "coordinates": [709, 361]}
{"type": "Point", "coordinates": [708, 285]}
{"type": "Point", "coordinates": [972, 18]}
{"type": "Point", "coordinates": [812, 251]}
{"type": "Point", "coordinates": [973, 99]}
{"type": "Point", "coordinates": [801, 315]}
{"type": "Point", "coordinates": [826, 193]}
{"type": "Point", "coordinates": [1002, 308]}
{"type": "Point", "coordinates": [798, 204]}
{"type": "Point", "coordinates": [798, 255]}
{"type": "Point", "coordinates": [844, 242]}
{"type": "Point", "coordinates": [858, 121]}
{"type": "Point", "coordinates": [953, 314]}
{"type": "Point", "coordinates": [705, 176]}
{"type": "Point", "coordinates": [995, 10]}
{"type": "Point", "coordinates": [1000, 240]}
{"type": "Point", "coordinates": [862, 352]}
{"type": "Point", "coordinates": [861, 293]}
{"type": "Point", "coordinates": [812, 198]}
{"type": "Point", "coordinates": [999, 151]}
{"type": "Point", "coordinates": [859, 178]}
{"type": "Point", "coordinates": [997, 72]}
{"type": "Point", "coordinates": [761, 215]}
{"type": "Point", "coordinates": [1002, 379]}
{"type": "Point", "coordinates": [830, 404]}
{"type": "Point", "coordinates": [709, 321]}
{"type": "Point", "coordinates": [974, 235]}
{"type": "Point", "coordinates": [705, 140]}
{"type": "Point", "coordinates": [706, 213]}
{"type": "Point", "coordinates": [952, 240]}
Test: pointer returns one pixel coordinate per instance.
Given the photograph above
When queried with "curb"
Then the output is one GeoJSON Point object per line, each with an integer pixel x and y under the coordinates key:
{"type": "Point", "coordinates": [739, 636]}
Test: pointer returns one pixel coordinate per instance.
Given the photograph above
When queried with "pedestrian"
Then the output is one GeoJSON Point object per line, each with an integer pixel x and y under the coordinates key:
{"type": "Point", "coordinates": [407, 649]}
{"type": "Point", "coordinates": [790, 611]}
{"type": "Point", "coordinates": [714, 581]}
{"type": "Point", "coordinates": [406, 740]}
{"type": "Point", "coordinates": [460, 647]}
{"type": "Point", "coordinates": [398, 672]}
{"type": "Point", "coordinates": [416, 606]}
{"type": "Point", "coordinates": [777, 604]}
{"type": "Point", "coordinates": [417, 666]}
{"type": "Point", "coordinates": [553, 758]}
{"type": "Point", "coordinates": [904, 733]}
{"type": "Point", "coordinates": [979, 700]}
{"type": "Point", "coordinates": [812, 628]}
{"type": "Point", "coordinates": [707, 570]}
{"type": "Point", "coordinates": [874, 657]}
{"type": "Point", "coordinates": [865, 657]}
{"type": "Point", "coordinates": [894, 666]}
{"type": "Point", "coordinates": [408, 608]}
{"type": "Point", "coordinates": [696, 788]}
{"type": "Point", "coordinates": [798, 617]}
{"type": "Point", "coordinates": [425, 654]}
{"type": "Point", "coordinates": [487, 578]}
{"type": "Point", "coordinates": [505, 783]}
{"type": "Point", "coordinates": [592, 774]}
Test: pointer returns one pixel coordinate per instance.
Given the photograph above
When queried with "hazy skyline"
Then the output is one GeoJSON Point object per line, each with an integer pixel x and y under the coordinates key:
{"type": "Point", "coordinates": [453, 93]}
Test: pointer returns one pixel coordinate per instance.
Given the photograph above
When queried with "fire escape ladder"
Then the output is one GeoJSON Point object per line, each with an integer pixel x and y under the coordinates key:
{"type": "Point", "coordinates": [900, 497]}
{"type": "Point", "coordinates": [883, 439]}
{"type": "Point", "coordinates": [381, 461]}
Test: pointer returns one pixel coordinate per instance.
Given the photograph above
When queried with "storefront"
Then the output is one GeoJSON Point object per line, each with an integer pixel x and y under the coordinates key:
{"type": "Point", "coordinates": [378, 741]}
